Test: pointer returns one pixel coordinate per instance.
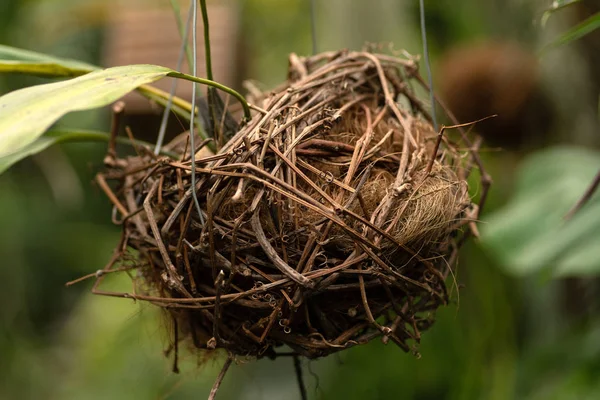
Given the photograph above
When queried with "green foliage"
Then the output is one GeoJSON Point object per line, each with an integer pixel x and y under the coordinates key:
{"type": "Point", "coordinates": [583, 28]}
{"type": "Point", "coordinates": [14, 60]}
{"type": "Point", "coordinates": [181, 27]}
{"type": "Point", "coordinates": [43, 69]}
{"type": "Point", "coordinates": [37, 146]}
{"type": "Point", "coordinates": [567, 371]}
{"type": "Point", "coordinates": [530, 234]}
{"type": "Point", "coordinates": [27, 113]}
{"type": "Point", "coordinates": [27, 57]}
{"type": "Point", "coordinates": [57, 136]}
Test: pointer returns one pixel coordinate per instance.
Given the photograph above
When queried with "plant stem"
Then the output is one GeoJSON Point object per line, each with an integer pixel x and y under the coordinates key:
{"type": "Point", "coordinates": [211, 93]}
{"type": "Point", "coordinates": [153, 93]}
{"type": "Point", "coordinates": [427, 64]}
{"type": "Point", "coordinates": [207, 56]}
{"type": "Point", "coordinates": [217, 384]}
{"type": "Point", "coordinates": [78, 136]}
{"type": "Point", "coordinates": [585, 198]}
{"type": "Point", "coordinates": [193, 119]}
{"type": "Point", "coordinates": [165, 117]}
{"type": "Point", "coordinates": [300, 377]}
{"type": "Point", "coordinates": [183, 29]}
{"type": "Point", "coordinates": [217, 85]}
{"type": "Point", "coordinates": [313, 26]}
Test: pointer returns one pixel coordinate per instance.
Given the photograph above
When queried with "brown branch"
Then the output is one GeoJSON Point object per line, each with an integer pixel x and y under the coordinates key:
{"type": "Point", "coordinates": [219, 380]}
{"type": "Point", "coordinates": [274, 257]}
{"type": "Point", "coordinates": [585, 198]}
{"type": "Point", "coordinates": [300, 377]}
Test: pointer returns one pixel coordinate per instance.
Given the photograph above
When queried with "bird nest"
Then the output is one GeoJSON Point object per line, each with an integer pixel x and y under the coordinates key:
{"type": "Point", "coordinates": [332, 217]}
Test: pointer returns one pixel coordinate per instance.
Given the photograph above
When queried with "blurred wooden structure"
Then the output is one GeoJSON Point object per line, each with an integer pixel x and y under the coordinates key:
{"type": "Point", "coordinates": [145, 32]}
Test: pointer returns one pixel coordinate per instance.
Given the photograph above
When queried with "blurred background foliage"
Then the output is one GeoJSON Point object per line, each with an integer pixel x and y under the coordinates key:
{"type": "Point", "coordinates": [517, 331]}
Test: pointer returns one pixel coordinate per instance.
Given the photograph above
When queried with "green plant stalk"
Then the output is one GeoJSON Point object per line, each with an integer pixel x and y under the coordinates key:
{"type": "Point", "coordinates": [56, 70]}
{"type": "Point", "coordinates": [43, 70]}
{"type": "Point", "coordinates": [38, 64]}
{"type": "Point", "coordinates": [313, 27]}
{"type": "Point", "coordinates": [193, 120]}
{"type": "Point", "coordinates": [427, 64]}
{"type": "Point", "coordinates": [207, 55]}
{"type": "Point", "coordinates": [180, 106]}
{"type": "Point", "coordinates": [184, 35]}
{"type": "Point", "coordinates": [80, 136]}
{"type": "Point", "coordinates": [208, 58]}
{"type": "Point", "coordinates": [181, 28]}
{"type": "Point", "coordinates": [207, 82]}
{"type": "Point", "coordinates": [57, 136]}
{"type": "Point", "coordinates": [184, 30]}
{"type": "Point", "coordinates": [147, 91]}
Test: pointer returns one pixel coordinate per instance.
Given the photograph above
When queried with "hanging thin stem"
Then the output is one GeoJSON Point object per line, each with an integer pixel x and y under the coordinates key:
{"type": "Point", "coordinates": [80, 135]}
{"type": "Point", "coordinates": [313, 26]}
{"type": "Point", "coordinates": [585, 198]}
{"type": "Point", "coordinates": [217, 384]}
{"type": "Point", "coordinates": [193, 118]}
{"type": "Point", "coordinates": [427, 64]}
{"type": "Point", "coordinates": [182, 50]}
{"type": "Point", "coordinates": [183, 33]}
{"type": "Point", "coordinates": [300, 377]}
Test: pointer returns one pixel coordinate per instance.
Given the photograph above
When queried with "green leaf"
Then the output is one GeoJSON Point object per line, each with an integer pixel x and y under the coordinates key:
{"type": "Point", "coordinates": [64, 136]}
{"type": "Point", "coordinates": [577, 32]}
{"type": "Point", "coordinates": [14, 60]}
{"type": "Point", "coordinates": [530, 234]}
{"type": "Point", "coordinates": [8, 53]}
{"type": "Point", "coordinates": [38, 146]}
{"type": "Point", "coordinates": [46, 103]}
{"type": "Point", "coordinates": [556, 6]}
{"type": "Point", "coordinates": [29, 62]}
{"type": "Point", "coordinates": [27, 113]}
{"type": "Point", "coordinates": [42, 69]}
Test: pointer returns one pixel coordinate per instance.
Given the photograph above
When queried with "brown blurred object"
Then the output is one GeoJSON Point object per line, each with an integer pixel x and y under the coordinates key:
{"type": "Point", "coordinates": [145, 32]}
{"type": "Point", "coordinates": [487, 78]}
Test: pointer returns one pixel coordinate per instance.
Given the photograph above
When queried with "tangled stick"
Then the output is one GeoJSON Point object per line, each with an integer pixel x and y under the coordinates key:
{"type": "Point", "coordinates": [333, 217]}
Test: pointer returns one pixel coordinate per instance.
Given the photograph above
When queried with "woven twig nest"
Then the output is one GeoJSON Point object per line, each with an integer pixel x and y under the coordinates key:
{"type": "Point", "coordinates": [331, 218]}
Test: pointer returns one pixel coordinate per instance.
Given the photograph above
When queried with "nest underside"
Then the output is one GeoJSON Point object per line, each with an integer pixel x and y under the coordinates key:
{"type": "Point", "coordinates": [331, 217]}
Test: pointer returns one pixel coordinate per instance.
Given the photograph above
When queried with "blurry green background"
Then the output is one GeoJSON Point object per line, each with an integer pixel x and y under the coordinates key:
{"type": "Point", "coordinates": [510, 335]}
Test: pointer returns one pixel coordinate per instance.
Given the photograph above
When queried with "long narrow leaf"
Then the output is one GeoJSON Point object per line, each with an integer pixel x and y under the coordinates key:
{"type": "Point", "coordinates": [16, 54]}
{"type": "Point", "coordinates": [27, 113]}
{"type": "Point", "coordinates": [577, 32]}
{"type": "Point", "coordinates": [15, 60]}
{"type": "Point", "coordinates": [38, 146]}
{"type": "Point", "coordinates": [64, 136]}
{"type": "Point", "coordinates": [43, 69]}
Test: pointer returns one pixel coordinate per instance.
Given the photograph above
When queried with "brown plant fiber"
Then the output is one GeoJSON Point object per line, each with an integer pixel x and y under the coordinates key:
{"type": "Point", "coordinates": [331, 218]}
